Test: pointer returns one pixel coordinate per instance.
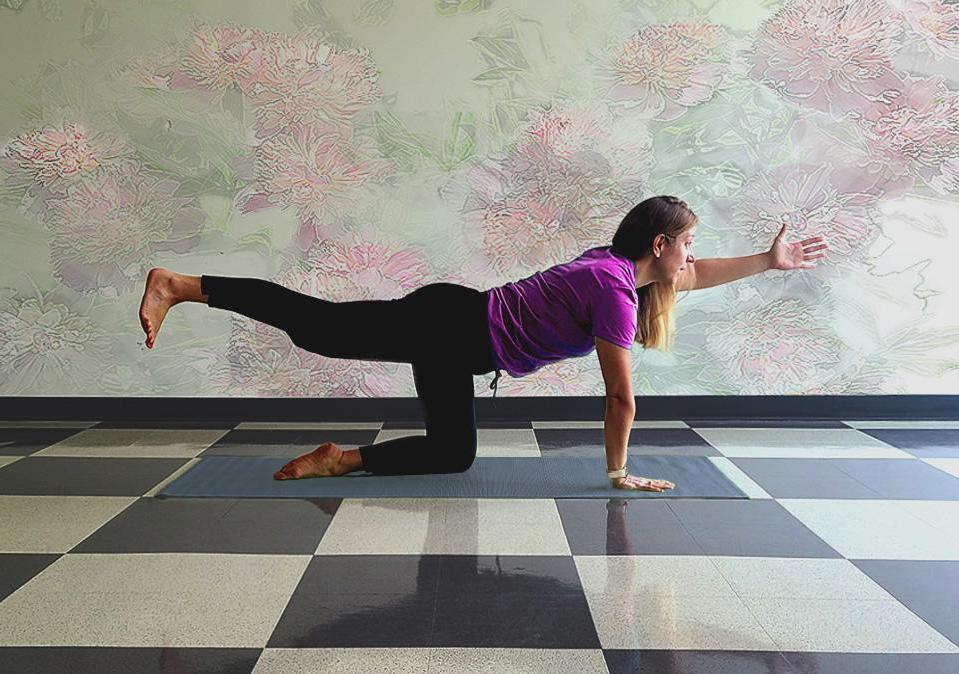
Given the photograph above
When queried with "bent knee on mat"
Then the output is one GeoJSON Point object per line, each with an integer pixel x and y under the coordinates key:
{"type": "Point", "coordinates": [453, 457]}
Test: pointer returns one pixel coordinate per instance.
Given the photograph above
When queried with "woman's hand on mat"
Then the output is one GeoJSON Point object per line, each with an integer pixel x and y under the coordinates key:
{"type": "Point", "coordinates": [641, 483]}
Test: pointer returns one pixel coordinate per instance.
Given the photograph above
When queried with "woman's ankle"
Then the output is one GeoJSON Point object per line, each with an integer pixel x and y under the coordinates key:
{"type": "Point", "coordinates": [350, 461]}
{"type": "Point", "coordinates": [188, 288]}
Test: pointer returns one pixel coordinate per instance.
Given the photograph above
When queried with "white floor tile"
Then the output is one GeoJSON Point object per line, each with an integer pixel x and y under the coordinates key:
{"type": "Point", "coordinates": [158, 600]}
{"type": "Point", "coordinates": [600, 423]}
{"type": "Point", "coordinates": [343, 660]}
{"type": "Point", "coordinates": [659, 575]}
{"type": "Point", "coordinates": [445, 526]}
{"type": "Point", "coordinates": [943, 515]}
{"type": "Point", "coordinates": [798, 578]}
{"type": "Point", "coordinates": [795, 443]}
{"type": "Point", "coordinates": [651, 621]}
{"type": "Point", "coordinates": [946, 465]}
{"type": "Point", "coordinates": [847, 626]}
{"type": "Point", "coordinates": [54, 524]}
{"type": "Point", "coordinates": [526, 660]}
{"type": "Point", "coordinates": [872, 529]}
{"type": "Point", "coordinates": [135, 443]}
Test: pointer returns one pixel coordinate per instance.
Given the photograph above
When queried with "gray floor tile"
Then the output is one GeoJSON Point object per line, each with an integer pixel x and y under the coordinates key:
{"type": "Point", "coordinates": [696, 662]}
{"type": "Point", "coordinates": [873, 663]}
{"type": "Point", "coordinates": [242, 526]}
{"type": "Point", "coordinates": [928, 588]}
{"type": "Point", "coordinates": [82, 476]}
{"type": "Point", "coordinates": [479, 574]}
{"type": "Point", "coordinates": [24, 441]}
{"type": "Point", "coordinates": [58, 659]}
{"type": "Point", "coordinates": [18, 568]}
{"type": "Point", "coordinates": [922, 443]}
{"type": "Point", "coordinates": [806, 478]}
{"type": "Point", "coordinates": [748, 528]}
{"type": "Point", "coordinates": [513, 620]}
{"type": "Point", "coordinates": [624, 527]}
{"type": "Point", "coordinates": [902, 479]}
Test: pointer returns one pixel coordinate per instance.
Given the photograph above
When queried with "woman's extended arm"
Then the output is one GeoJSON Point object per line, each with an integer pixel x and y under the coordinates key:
{"type": "Point", "coordinates": [714, 271]}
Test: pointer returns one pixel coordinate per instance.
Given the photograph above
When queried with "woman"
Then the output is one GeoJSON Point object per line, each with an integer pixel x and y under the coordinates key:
{"type": "Point", "coordinates": [610, 295]}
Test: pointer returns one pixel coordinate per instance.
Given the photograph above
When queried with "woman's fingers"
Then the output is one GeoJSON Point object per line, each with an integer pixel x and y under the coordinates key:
{"type": "Point", "coordinates": [648, 484]}
{"type": "Point", "coordinates": [643, 483]}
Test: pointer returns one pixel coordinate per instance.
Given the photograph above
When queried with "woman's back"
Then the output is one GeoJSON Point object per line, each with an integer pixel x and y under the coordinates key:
{"type": "Point", "coordinates": [556, 313]}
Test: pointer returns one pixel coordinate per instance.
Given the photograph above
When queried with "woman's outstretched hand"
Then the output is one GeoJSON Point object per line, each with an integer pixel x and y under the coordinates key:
{"type": "Point", "coordinates": [787, 256]}
{"type": "Point", "coordinates": [641, 483]}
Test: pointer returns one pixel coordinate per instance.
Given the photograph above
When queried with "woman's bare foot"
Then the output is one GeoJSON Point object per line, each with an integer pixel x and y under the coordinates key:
{"type": "Point", "coordinates": [324, 461]}
{"type": "Point", "coordinates": [158, 297]}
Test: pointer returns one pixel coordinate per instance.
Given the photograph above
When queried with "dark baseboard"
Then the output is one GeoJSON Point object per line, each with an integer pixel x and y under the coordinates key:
{"type": "Point", "coordinates": [546, 408]}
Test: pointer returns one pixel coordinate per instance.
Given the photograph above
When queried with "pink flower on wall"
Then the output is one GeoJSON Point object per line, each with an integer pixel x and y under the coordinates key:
{"type": "Point", "coordinates": [106, 232]}
{"type": "Point", "coordinates": [937, 23]}
{"type": "Point", "coordinates": [313, 170]}
{"type": "Point", "coordinates": [663, 70]}
{"type": "Point", "coordinates": [781, 346]}
{"type": "Point", "coordinates": [155, 69]}
{"type": "Point", "coordinates": [54, 158]}
{"type": "Point", "coordinates": [224, 55]}
{"type": "Point", "coordinates": [811, 200]}
{"type": "Point", "coordinates": [833, 55]}
{"type": "Point", "coordinates": [556, 190]}
{"type": "Point", "coordinates": [305, 81]}
{"type": "Point", "coordinates": [915, 131]}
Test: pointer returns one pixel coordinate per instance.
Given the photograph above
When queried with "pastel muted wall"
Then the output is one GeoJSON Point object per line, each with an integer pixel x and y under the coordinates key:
{"type": "Point", "coordinates": [360, 149]}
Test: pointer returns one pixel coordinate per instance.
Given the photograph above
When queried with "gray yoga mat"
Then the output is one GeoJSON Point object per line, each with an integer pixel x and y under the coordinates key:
{"type": "Point", "coordinates": [493, 477]}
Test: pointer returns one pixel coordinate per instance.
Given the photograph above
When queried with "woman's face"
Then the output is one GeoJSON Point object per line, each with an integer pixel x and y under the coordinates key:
{"type": "Point", "coordinates": [677, 253]}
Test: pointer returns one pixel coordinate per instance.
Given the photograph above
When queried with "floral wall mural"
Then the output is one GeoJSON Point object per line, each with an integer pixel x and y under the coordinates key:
{"type": "Point", "coordinates": [359, 150]}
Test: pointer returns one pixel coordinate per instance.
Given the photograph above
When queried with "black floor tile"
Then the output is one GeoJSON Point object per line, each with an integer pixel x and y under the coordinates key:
{"type": "Point", "coordinates": [24, 441]}
{"type": "Point", "coordinates": [696, 662]}
{"type": "Point", "coordinates": [17, 568]}
{"type": "Point", "coordinates": [90, 660]}
{"type": "Point", "coordinates": [873, 663]}
{"type": "Point", "coordinates": [514, 620]}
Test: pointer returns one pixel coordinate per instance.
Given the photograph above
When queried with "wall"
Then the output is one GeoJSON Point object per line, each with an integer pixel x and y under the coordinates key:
{"type": "Point", "coordinates": [358, 150]}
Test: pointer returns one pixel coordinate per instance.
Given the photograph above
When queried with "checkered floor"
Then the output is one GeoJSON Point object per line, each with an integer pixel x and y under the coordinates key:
{"type": "Point", "coordinates": [845, 558]}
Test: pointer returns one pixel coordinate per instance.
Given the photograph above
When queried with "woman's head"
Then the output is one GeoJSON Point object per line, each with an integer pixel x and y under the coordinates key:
{"type": "Point", "coordinates": [657, 234]}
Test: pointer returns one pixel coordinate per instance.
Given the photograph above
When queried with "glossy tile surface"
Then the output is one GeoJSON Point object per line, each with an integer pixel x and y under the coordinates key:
{"type": "Point", "coordinates": [845, 558]}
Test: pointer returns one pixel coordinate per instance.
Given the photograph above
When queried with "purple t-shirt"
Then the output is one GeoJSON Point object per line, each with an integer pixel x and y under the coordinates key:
{"type": "Point", "coordinates": [556, 313]}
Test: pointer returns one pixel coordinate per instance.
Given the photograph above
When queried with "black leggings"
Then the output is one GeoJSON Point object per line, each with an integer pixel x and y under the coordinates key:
{"type": "Point", "coordinates": [441, 329]}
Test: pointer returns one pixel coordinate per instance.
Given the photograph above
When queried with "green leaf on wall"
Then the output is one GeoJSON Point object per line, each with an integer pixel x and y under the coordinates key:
{"type": "Point", "coordinates": [461, 141]}
{"type": "Point", "coordinates": [502, 50]}
{"type": "Point", "coordinates": [495, 74]}
{"type": "Point", "coordinates": [260, 239]}
{"type": "Point", "coordinates": [454, 7]}
{"type": "Point", "coordinates": [399, 143]}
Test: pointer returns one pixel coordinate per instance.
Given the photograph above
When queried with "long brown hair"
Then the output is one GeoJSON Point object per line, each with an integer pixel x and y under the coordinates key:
{"type": "Point", "coordinates": [668, 215]}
